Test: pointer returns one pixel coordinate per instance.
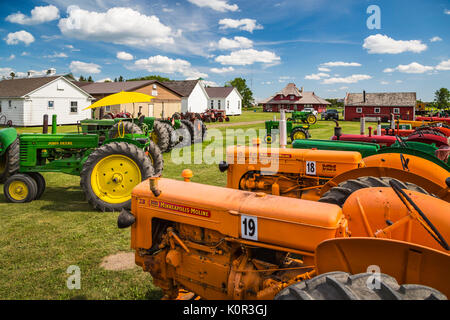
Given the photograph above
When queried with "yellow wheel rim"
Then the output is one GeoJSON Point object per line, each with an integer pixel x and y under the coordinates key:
{"type": "Point", "coordinates": [268, 139]}
{"type": "Point", "coordinates": [299, 135]}
{"type": "Point", "coordinates": [18, 190]}
{"type": "Point", "coordinates": [114, 177]}
{"type": "Point", "coordinates": [154, 137]}
{"type": "Point", "coordinates": [311, 119]}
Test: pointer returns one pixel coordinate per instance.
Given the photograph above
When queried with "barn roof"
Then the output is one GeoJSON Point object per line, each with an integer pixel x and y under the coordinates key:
{"type": "Point", "coordinates": [218, 92]}
{"type": "Point", "coordinates": [114, 87]}
{"type": "Point", "coordinates": [290, 89]}
{"type": "Point", "coordinates": [183, 87]}
{"type": "Point", "coordinates": [16, 88]}
{"type": "Point", "coordinates": [394, 99]}
{"type": "Point", "coordinates": [308, 97]}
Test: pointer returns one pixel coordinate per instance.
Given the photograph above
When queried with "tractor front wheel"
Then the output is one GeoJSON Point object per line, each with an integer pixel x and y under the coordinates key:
{"type": "Point", "coordinates": [311, 119]}
{"type": "Point", "coordinates": [40, 182]}
{"type": "Point", "coordinates": [20, 188]}
{"type": "Point", "coordinates": [111, 172]}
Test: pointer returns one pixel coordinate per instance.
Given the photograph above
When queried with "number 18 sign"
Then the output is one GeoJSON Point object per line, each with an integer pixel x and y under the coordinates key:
{"type": "Point", "coordinates": [249, 227]}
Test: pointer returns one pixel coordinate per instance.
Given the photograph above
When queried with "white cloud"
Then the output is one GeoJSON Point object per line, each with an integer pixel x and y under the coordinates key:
{"type": "Point", "coordinates": [222, 70]}
{"type": "Point", "coordinates": [282, 79]}
{"type": "Point", "coordinates": [210, 83]}
{"type": "Point", "coordinates": [117, 25]}
{"type": "Point", "coordinates": [384, 82]}
{"type": "Point", "coordinates": [317, 76]}
{"type": "Point", "coordinates": [446, 11]}
{"type": "Point", "coordinates": [79, 67]}
{"type": "Point", "coordinates": [267, 82]}
{"type": "Point", "coordinates": [11, 57]}
{"type": "Point", "coordinates": [71, 47]}
{"type": "Point", "coordinates": [122, 55]}
{"type": "Point", "coordinates": [444, 65]}
{"type": "Point", "coordinates": [435, 39]}
{"type": "Point", "coordinates": [341, 64]}
{"type": "Point", "coordinates": [167, 65]}
{"type": "Point", "coordinates": [105, 80]}
{"type": "Point", "coordinates": [23, 54]}
{"type": "Point", "coordinates": [5, 72]}
{"type": "Point", "coordinates": [324, 69]}
{"type": "Point", "coordinates": [242, 24]}
{"type": "Point", "coordinates": [249, 56]}
{"type": "Point", "coordinates": [383, 44]}
{"type": "Point", "coordinates": [413, 67]}
{"type": "Point", "coordinates": [398, 81]}
{"type": "Point", "coordinates": [354, 78]}
{"type": "Point", "coordinates": [343, 88]}
{"type": "Point", "coordinates": [236, 43]}
{"type": "Point", "coordinates": [38, 15]}
{"type": "Point", "coordinates": [19, 36]}
{"type": "Point", "coordinates": [217, 5]}
{"type": "Point", "coordinates": [57, 55]}
{"type": "Point", "coordinates": [167, 10]}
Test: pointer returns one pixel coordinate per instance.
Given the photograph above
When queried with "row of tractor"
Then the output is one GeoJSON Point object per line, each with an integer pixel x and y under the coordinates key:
{"type": "Point", "coordinates": [326, 219]}
{"type": "Point", "coordinates": [111, 156]}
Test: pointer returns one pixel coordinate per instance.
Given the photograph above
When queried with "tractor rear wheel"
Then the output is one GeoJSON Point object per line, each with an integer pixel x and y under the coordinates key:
{"type": "Point", "coordinates": [123, 127]}
{"type": "Point", "coordinates": [40, 182]}
{"type": "Point", "coordinates": [198, 131]}
{"type": "Point", "coordinates": [9, 161]}
{"type": "Point", "coordinates": [311, 119]}
{"type": "Point", "coordinates": [173, 139]}
{"type": "Point", "coordinates": [299, 134]}
{"type": "Point", "coordinates": [340, 285]}
{"type": "Point", "coordinates": [427, 131]}
{"type": "Point", "coordinates": [338, 195]}
{"type": "Point", "coordinates": [191, 129]}
{"type": "Point", "coordinates": [156, 158]}
{"type": "Point", "coordinates": [20, 188]}
{"type": "Point", "coordinates": [160, 136]}
{"type": "Point", "coordinates": [204, 132]}
{"type": "Point", "coordinates": [183, 136]}
{"type": "Point", "coordinates": [111, 172]}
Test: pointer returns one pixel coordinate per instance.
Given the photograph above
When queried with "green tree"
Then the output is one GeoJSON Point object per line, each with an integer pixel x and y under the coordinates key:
{"type": "Point", "coordinates": [241, 86]}
{"type": "Point", "coordinates": [13, 75]}
{"type": "Point", "coordinates": [121, 79]}
{"type": "Point", "coordinates": [442, 98]}
{"type": "Point", "coordinates": [81, 78]}
{"type": "Point", "coordinates": [151, 77]}
{"type": "Point", "coordinates": [90, 79]}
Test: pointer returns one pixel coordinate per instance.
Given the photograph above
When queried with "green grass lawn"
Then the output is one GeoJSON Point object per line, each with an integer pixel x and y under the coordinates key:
{"type": "Point", "coordinates": [41, 239]}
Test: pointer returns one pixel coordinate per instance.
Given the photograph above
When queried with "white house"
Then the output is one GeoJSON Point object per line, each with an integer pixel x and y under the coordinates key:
{"type": "Point", "coordinates": [24, 101]}
{"type": "Point", "coordinates": [194, 96]}
{"type": "Point", "coordinates": [225, 98]}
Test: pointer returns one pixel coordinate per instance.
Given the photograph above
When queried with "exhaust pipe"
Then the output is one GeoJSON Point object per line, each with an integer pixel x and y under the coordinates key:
{"type": "Point", "coordinates": [337, 130]}
{"type": "Point", "coordinates": [362, 125]}
{"type": "Point", "coordinates": [379, 127]}
{"type": "Point", "coordinates": [283, 129]}
{"type": "Point", "coordinates": [45, 124]}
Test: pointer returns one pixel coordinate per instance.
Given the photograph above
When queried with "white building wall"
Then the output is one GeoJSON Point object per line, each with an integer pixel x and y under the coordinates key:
{"type": "Point", "coordinates": [184, 104]}
{"type": "Point", "coordinates": [15, 113]}
{"type": "Point", "coordinates": [197, 100]}
{"type": "Point", "coordinates": [62, 94]}
{"type": "Point", "coordinates": [233, 104]}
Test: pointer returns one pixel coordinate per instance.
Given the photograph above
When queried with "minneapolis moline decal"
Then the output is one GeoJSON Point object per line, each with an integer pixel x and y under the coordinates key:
{"type": "Point", "coordinates": [181, 209]}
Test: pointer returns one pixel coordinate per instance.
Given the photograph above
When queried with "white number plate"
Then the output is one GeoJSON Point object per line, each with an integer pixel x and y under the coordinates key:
{"type": "Point", "coordinates": [311, 168]}
{"type": "Point", "coordinates": [249, 227]}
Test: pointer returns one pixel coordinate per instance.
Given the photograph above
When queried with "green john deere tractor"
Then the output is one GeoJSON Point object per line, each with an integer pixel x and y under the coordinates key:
{"type": "Point", "coordinates": [109, 169]}
{"type": "Point", "coordinates": [294, 130]}
{"type": "Point", "coordinates": [304, 117]}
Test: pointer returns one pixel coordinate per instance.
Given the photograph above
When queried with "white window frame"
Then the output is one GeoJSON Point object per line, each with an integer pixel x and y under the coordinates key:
{"type": "Point", "coordinates": [154, 86]}
{"type": "Point", "coordinates": [396, 111]}
{"type": "Point", "coordinates": [108, 108]}
{"type": "Point", "coordinates": [377, 110]}
{"type": "Point", "coordinates": [212, 104]}
{"type": "Point", "coordinates": [52, 104]}
{"type": "Point", "coordinates": [9, 104]}
{"type": "Point", "coordinates": [71, 106]}
{"type": "Point", "coordinates": [218, 104]}
{"type": "Point", "coordinates": [155, 93]}
{"type": "Point", "coordinates": [359, 110]}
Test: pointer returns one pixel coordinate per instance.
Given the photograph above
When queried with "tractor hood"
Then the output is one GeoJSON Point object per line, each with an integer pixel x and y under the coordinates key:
{"type": "Point", "coordinates": [7, 136]}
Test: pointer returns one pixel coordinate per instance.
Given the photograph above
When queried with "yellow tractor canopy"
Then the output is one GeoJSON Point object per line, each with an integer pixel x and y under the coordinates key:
{"type": "Point", "coordinates": [121, 98]}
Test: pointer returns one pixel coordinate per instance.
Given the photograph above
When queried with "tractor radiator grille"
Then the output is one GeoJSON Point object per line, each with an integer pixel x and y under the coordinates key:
{"type": "Point", "coordinates": [23, 151]}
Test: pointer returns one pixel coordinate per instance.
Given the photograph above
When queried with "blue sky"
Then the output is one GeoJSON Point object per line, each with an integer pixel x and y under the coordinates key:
{"type": "Point", "coordinates": [324, 46]}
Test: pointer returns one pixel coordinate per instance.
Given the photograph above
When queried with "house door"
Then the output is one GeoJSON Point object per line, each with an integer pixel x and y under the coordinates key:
{"type": "Point", "coordinates": [150, 110]}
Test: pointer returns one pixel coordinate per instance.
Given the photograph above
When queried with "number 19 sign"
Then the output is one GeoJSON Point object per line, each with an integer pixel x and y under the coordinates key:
{"type": "Point", "coordinates": [249, 227]}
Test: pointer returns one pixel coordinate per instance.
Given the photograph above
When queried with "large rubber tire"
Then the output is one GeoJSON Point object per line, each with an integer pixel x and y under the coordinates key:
{"type": "Point", "coordinates": [204, 132]}
{"type": "Point", "coordinates": [301, 131]}
{"type": "Point", "coordinates": [173, 138]}
{"type": "Point", "coordinates": [10, 161]}
{"type": "Point", "coordinates": [40, 182]}
{"type": "Point", "coordinates": [198, 131]}
{"type": "Point", "coordinates": [340, 285]}
{"type": "Point", "coordinates": [131, 151]}
{"type": "Point", "coordinates": [160, 136]}
{"type": "Point", "coordinates": [29, 189]}
{"type": "Point", "coordinates": [156, 158]}
{"type": "Point", "coordinates": [183, 136]}
{"type": "Point", "coordinates": [191, 129]}
{"type": "Point", "coordinates": [125, 127]}
{"type": "Point", "coordinates": [338, 195]}
{"type": "Point", "coordinates": [311, 119]}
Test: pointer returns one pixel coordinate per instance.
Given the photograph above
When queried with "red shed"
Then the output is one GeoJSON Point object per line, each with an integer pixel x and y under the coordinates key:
{"type": "Point", "coordinates": [374, 105]}
{"type": "Point", "coordinates": [293, 99]}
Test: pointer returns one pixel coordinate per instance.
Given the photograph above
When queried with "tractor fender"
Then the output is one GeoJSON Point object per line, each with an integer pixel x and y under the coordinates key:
{"type": "Point", "coordinates": [7, 137]}
{"type": "Point", "coordinates": [406, 262]}
{"type": "Point", "coordinates": [404, 167]}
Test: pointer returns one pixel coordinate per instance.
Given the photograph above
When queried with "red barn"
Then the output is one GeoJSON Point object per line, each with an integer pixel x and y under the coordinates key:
{"type": "Point", "coordinates": [374, 105]}
{"type": "Point", "coordinates": [293, 99]}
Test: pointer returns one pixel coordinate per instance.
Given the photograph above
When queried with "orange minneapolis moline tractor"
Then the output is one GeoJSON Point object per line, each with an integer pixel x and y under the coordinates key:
{"type": "Point", "coordinates": [224, 243]}
{"type": "Point", "coordinates": [309, 174]}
